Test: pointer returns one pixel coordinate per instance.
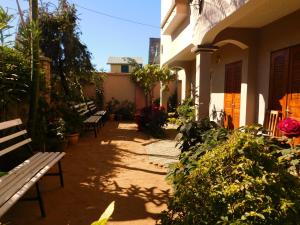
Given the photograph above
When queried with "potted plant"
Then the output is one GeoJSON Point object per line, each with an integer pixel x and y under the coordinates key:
{"type": "Point", "coordinates": [73, 125]}
{"type": "Point", "coordinates": [56, 139]}
{"type": "Point", "coordinates": [112, 107]}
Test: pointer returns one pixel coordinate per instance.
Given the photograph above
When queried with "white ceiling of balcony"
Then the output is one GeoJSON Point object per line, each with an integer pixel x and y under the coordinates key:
{"type": "Point", "coordinates": [254, 14]}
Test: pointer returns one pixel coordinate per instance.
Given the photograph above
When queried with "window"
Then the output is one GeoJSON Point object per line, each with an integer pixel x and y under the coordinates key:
{"type": "Point", "coordinates": [124, 68]}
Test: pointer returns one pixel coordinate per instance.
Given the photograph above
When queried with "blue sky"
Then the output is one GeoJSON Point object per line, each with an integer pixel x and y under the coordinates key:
{"type": "Point", "coordinates": [106, 36]}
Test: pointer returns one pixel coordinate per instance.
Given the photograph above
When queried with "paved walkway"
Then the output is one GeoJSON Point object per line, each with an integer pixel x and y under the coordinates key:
{"type": "Point", "coordinates": [162, 152]}
{"type": "Point", "coordinates": [113, 167]}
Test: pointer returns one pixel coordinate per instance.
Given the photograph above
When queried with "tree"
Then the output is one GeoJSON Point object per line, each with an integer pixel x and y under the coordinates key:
{"type": "Point", "coordinates": [60, 41]}
{"type": "Point", "coordinates": [35, 69]}
{"type": "Point", "coordinates": [148, 76]}
{"type": "Point", "coordinates": [5, 18]}
{"type": "Point", "coordinates": [71, 60]}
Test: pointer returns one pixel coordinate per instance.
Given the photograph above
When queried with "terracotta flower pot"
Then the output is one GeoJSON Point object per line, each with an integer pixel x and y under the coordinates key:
{"type": "Point", "coordinates": [73, 138]}
{"type": "Point", "coordinates": [112, 117]}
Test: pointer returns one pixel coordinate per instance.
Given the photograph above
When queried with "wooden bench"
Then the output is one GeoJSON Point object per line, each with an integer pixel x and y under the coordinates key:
{"type": "Point", "coordinates": [93, 110]}
{"type": "Point", "coordinates": [90, 120]}
{"type": "Point", "coordinates": [15, 183]}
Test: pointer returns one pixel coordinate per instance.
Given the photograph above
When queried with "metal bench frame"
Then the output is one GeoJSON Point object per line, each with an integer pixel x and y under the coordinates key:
{"type": "Point", "coordinates": [91, 120]}
{"type": "Point", "coordinates": [93, 110]}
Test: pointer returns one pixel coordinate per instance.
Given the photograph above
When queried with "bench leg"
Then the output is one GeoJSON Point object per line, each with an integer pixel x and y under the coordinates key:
{"type": "Point", "coordinates": [39, 197]}
{"type": "Point", "coordinates": [95, 129]}
{"type": "Point", "coordinates": [61, 174]}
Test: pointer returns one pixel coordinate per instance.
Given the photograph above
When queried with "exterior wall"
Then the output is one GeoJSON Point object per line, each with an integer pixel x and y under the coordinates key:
{"type": "Point", "coordinates": [280, 34]}
{"type": "Point", "coordinates": [267, 26]}
{"type": "Point", "coordinates": [260, 43]}
{"type": "Point", "coordinates": [227, 54]}
{"type": "Point", "coordinates": [115, 68]}
{"type": "Point", "coordinates": [119, 86]}
{"type": "Point", "coordinates": [180, 39]}
{"type": "Point", "coordinates": [214, 11]}
{"type": "Point", "coordinates": [183, 85]}
{"type": "Point", "coordinates": [89, 91]}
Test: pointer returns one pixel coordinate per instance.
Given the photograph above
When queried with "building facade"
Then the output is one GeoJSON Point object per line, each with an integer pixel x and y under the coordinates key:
{"type": "Point", "coordinates": [123, 64]}
{"type": "Point", "coordinates": [241, 57]}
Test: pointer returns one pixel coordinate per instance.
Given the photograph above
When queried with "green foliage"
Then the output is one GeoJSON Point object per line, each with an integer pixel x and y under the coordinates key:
{"type": "Point", "coordinates": [125, 111]}
{"type": "Point", "coordinates": [73, 121]}
{"type": "Point", "coordinates": [112, 106]}
{"type": "Point", "coordinates": [149, 75]}
{"type": "Point", "coordinates": [5, 19]}
{"type": "Point", "coordinates": [2, 174]}
{"type": "Point", "coordinates": [106, 215]}
{"type": "Point", "coordinates": [186, 111]}
{"type": "Point", "coordinates": [239, 181]}
{"type": "Point", "coordinates": [151, 120]}
{"type": "Point", "coordinates": [14, 78]}
{"type": "Point", "coordinates": [13, 61]}
{"type": "Point", "coordinates": [172, 102]}
{"type": "Point", "coordinates": [194, 132]}
{"type": "Point", "coordinates": [60, 41]}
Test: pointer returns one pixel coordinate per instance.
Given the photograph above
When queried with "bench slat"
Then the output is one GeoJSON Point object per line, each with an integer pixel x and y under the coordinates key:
{"type": "Point", "coordinates": [100, 113]}
{"type": "Point", "coordinates": [36, 170]}
{"type": "Point", "coordinates": [93, 108]}
{"type": "Point", "coordinates": [84, 113]}
{"type": "Point", "coordinates": [19, 167]}
{"type": "Point", "coordinates": [10, 123]}
{"type": "Point", "coordinates": [15, 146]}
{"type": "Point", "coordinates": [93, 119]}
{"type": "Point", "coordinates": [8, 204]}
{"type": "Point", "coordinates": [12, 136]}
{"type": "Point", "coordinates": [7, 182]}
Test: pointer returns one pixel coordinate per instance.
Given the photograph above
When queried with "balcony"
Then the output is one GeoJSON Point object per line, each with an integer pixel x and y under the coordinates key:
{"type": "Point", "coordinates": [177, 13]}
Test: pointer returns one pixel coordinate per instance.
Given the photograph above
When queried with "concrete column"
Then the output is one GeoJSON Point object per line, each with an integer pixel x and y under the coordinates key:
{"type": "Point", "coordinates": [182, 78]}
{"type": "Point", "coordinates": [248, 88]}
{"type": "Point", "coordinates": [203, 60]}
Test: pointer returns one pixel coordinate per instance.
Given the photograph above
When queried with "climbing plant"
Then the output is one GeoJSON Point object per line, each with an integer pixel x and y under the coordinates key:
{"type": "Point", "coordinates": [148, 76]}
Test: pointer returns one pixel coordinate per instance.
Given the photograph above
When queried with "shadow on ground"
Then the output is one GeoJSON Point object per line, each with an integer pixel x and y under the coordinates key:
{"type": "Point", "coordinates": [112, 167]}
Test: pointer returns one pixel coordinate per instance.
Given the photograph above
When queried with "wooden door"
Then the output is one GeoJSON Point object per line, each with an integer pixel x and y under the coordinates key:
{"type": "Point", "coordinates": [232, 94]}
{"type": "Point", "coordinates": [293, 95]}
{"type": "Point", "coordinates": [278, 80]}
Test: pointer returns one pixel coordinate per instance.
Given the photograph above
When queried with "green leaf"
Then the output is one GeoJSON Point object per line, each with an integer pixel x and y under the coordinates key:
{"type": "Point", "coordinates": [2, 173]}
{"type": "Point", "coordinates": [106, 215]}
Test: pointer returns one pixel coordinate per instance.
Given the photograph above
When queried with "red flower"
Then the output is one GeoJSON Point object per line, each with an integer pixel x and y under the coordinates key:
{"type": "Point", "coordinates": [162, 108]}
{"type": "Point", "coordinates": [289, 127]}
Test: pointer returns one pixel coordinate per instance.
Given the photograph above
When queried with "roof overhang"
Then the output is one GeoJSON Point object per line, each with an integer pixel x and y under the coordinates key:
{"type": "Point", "coordinates": [253, 14]}
{"type": "Point", "coordinates": [178, 12]}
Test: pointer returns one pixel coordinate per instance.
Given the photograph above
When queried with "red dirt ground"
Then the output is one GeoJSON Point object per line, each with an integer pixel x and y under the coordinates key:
{"type": "Point", "coordinates": [97, 171]}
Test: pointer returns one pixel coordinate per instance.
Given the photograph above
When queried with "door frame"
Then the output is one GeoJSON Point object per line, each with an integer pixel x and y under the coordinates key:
{"type": "Point", "coordinates": [231, 126]}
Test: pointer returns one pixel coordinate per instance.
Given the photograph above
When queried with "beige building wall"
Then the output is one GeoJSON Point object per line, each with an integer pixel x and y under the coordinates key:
{"type": "Point", "coordinates": [116, 68]}
{"type": "Point", "coordinates": [118, 86]}
{"type": "Point", "coordinates": [247, 30]}
{"type": "Point", "coordinates": [227, 54]}
{"type": "Point", "coordinates": [278, 35]}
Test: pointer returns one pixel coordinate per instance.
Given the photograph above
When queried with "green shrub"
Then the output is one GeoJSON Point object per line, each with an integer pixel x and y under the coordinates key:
{"type": "Point", "coordinates": [125, 111]}
{"type": "Point", "coordinates": [186, 111]}
{"type": "Point", "coordinates": [14, 80]}
{"type": "Point", "coordinates": [73, 121]}
{"type": "Point", "coordinates": [172, 102]}
{"type": "Point", "coordinates": [192, 133]}
{"type": "Point", "coordinates": [112, 106]}
{"type": "Point", "coordinates": [151, 120]}
{"type": "Point", "coordinates": [241, 181]}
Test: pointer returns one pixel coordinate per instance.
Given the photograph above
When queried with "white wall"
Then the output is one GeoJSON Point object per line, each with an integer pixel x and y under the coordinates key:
{"type": "Point", "coordinates": [225, 55]}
